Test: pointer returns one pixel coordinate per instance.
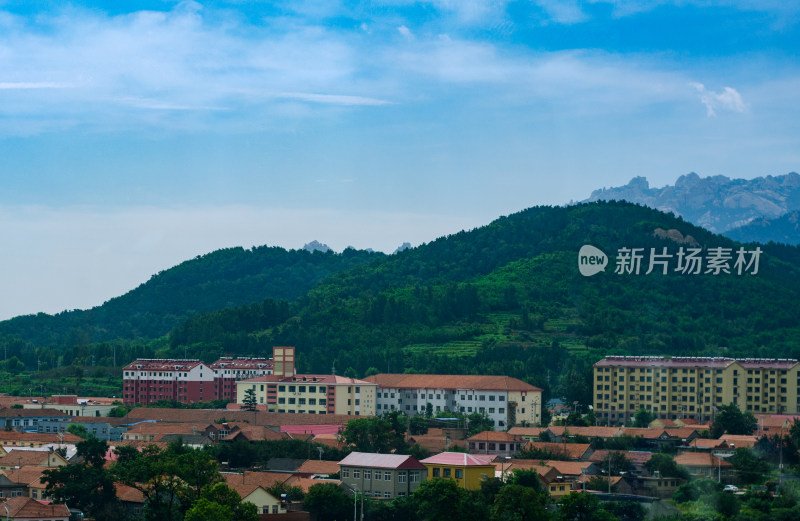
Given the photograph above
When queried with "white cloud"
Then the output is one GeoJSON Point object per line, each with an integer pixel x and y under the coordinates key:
{"type": "Point", "coordinates": [727, 99]}
{"type": "Point", "coordinates": [563, 11]}
{"type": "Point", "coordinates": [405, 31]}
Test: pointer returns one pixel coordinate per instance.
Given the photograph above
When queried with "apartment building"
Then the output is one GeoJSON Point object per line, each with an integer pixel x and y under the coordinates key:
{"type": "Point", "coordinates": [507, 401]}
{"type": "Point", "coordinates": [384, 476]}
{"type": "Point", "coordinates": [288, 392]}
{"type": "Point", "coordinates": [187, 380]}
{"type": "Point", "coordinates": [693, 387]}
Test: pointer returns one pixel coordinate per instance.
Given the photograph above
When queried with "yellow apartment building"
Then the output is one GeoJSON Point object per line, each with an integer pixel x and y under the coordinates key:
{"type": "Point", "coordinates": [310, 394]}
{"type": "Point", "coordinates": [467, 470]}
{"type": "Point", "coordinates": [288, 392]}
{"type": "Point", "coordinates": [693, 387]}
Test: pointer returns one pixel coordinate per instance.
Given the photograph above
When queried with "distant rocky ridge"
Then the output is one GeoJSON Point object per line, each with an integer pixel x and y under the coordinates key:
{"type": "Point", "coordinates": [316, 246]}
{"type": "Point", "coordinates": [785, 228]}
{"type": "Point", "coordinates": [719, 203]}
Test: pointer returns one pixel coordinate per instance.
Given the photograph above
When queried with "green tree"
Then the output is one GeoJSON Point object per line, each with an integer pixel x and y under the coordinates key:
{"type": "Point", "coordinates": [643, 418]}
{"type": "Point", "coordinates": [249, 401]}
{"type": "Point", "coordinates": [518, 503]}
{"type": "Point", "coordinates": [220, 503]}
{"type": "Point", "coordinates": [78, 430]}
{"type": "Point", "coordinates": [731, 420]}
{"type": "Point", "coordinates": [417, 425]}
{"type": "Point", "coordinates": [327, 502]}
{"type": "Point", "coordinates": [87, 485]}
{"type": "Point", "coordinates": [665, 464]}
{"type": "Point", "coordinates": [578, 506]}
{"type": "Point", "coordinates": [374, 434]}
{"type": "Point", "coordinates": [440, 499]}
{"type": "Point", "coordinates": [527, 478]}
{"type": "Point", "coordinates": [171, 479]}
{"type": "Point", "coordinates": [749, 467]}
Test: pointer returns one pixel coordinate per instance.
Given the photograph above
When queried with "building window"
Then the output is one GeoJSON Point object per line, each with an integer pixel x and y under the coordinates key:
{"type": "Point", "coordinates": [446, 473]}
{"type": "Point", "coordinates": [401, 477]}
{"type": "Point", "coordinates": [459, 473]}
{"type": "Point", "coordinates": [345, 473]}
{"type": "Point", "coordinates": [436, 472]}
{"type": "Point", "coordinates": [356, 473]}
{"type": "Point", "coordinates": [387, 476]}
{"type": "Point", "coordinates": [367, 474]}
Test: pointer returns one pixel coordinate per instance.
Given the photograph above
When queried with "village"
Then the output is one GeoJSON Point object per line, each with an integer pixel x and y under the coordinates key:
{"type": "Point", "coordinates": [380, 438]}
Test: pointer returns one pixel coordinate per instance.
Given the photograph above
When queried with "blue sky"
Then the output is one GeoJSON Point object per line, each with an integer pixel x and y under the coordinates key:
{"type": "Point", "coordinates": [135, 135]}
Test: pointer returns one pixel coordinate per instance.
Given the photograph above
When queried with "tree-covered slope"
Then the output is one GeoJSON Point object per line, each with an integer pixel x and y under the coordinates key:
{"type": "Point", "coordinates": [221, 279]}
{"type": "Point", "coordinates": [508, 298]}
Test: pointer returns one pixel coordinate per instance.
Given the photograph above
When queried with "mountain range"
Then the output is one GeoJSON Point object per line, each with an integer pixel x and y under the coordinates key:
{"type": "Point", "coordinates": [504, 298]}
{"type": "Point", "coordinates": [752, 210]}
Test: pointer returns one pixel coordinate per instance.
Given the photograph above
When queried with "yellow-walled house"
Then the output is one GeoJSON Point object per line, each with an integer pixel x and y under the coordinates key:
{"type": "Point", "coordinates": [467, 470]}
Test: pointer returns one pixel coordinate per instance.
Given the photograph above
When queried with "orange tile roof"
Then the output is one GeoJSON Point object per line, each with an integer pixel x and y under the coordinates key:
{"type": "Point", "coordinates": [573, 451]}
{"type": "Point", "coordinates": [29, 475]}
{"type": "Point", "coordinates": [22, 507]}
{"type": "Point", "coordinates": [248, 477]}
{"type": "Point", "coordinates": [37, 437]}
{"type": "Point", "coordinates": [739, 440]}
{"type": "Point", "coordinates": [700, 459]}
{"type": "Point", "coordinates": [26, 457]}
{"type": "Point", "coordinates": [329, 440]}
{"type": "Point", "coordinates": [494, 436]}
{"type": "Point", "coordinates": [527, 431]}
{"type": "Point", "coordinates": [567, 468]}
{"type": "Point", "coordinates": [313, 466]}
{"type": "Point", "coordinates": [451, 381]}
{"type": "Point", "coordinates": [306, 483]}
{"type": "Point", "coordinates": [589, 432]}
{"type": "Point", "coordinates": [129, 494]}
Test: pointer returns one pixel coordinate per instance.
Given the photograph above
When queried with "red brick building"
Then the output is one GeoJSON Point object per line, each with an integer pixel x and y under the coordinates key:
{"type": "Point", "coordinates": [188, 381]}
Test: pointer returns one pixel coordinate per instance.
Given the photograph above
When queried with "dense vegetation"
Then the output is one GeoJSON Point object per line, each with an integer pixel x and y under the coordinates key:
{"type": "Point", "coordinates": [221, 279]}
{"type": "Point", "coordinates": [505, 298]}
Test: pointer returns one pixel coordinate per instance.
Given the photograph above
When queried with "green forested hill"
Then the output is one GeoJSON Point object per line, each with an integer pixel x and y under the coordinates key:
{"type": "Point", "coordinates": [505, 298]}
{"type": "Point", "coordinates": [508, 298]}
{"type": "Point", "coordinates": [221, 279]}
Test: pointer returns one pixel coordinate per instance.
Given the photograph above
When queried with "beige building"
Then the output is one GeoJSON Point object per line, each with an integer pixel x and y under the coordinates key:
{"type": "Point", "coordinates": [310, 394]}
{"type": "Point", "coordinates": [288, 392]}
{"type": "Point", "coordinates": [506, 401]}
{"type": "Point", "coordinates": [693, 387]}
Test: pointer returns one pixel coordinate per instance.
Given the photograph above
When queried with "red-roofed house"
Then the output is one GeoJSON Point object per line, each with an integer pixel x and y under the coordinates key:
{"type": "Point", "coordinates": [29, 509]}
{"type": "Point", "coordinates": [495, 443]}
{"type": "Point", "coordinates": [704, 465]}
{"type": "Point", "coordinates": [468, 470]}
{"type": "Point", "coordinates": [384, 476]}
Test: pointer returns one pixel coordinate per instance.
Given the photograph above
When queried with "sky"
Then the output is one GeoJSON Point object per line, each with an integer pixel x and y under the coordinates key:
{"type": "Point", "coordinates": [137, 135]}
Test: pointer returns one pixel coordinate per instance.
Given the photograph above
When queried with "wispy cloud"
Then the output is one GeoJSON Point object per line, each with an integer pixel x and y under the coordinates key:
{"type": "Point", "coordinates": [727, 99]}
{"type": "Point", "coordinates": [333, 99]}
{"type": "Point", "coordinates": [22, 85]}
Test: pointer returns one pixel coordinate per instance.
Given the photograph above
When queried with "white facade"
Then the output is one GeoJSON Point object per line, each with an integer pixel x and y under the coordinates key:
{"type": "Point", "coordinates": [414, 401]}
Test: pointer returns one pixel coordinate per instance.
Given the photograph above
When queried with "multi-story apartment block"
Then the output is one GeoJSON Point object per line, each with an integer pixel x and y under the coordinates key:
{"type": "Point", "coordinates": [507, 401]}
{"type": "Point", "coordinates": [384, 476]}
{"type": "Point", "coordinates": [289, 392]}
{"type": "Point", "coordinates": [187, 381]}
{"type": "Point", "coordinates": [693, 387]}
